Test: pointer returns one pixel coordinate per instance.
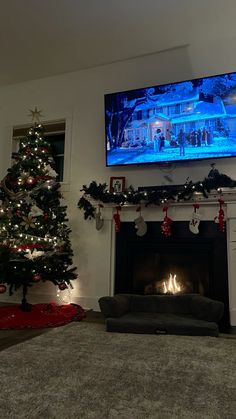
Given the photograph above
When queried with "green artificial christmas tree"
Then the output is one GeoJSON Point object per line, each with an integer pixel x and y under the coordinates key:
{"type": "Point", "coordinates": [34, 235]}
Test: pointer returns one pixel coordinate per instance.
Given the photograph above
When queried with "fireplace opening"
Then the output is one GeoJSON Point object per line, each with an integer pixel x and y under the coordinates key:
{"type": "Point", "coordinates": [171, 270]}
{"type": "Point", "coordinates": [180, 264]}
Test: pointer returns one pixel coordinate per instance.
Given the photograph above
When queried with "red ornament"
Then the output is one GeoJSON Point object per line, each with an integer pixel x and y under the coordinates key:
{"type": "Point", "coordinates": [60, 248]}
{"type": "Point", "coordinates": [27, 151]}
{"type": "Point", "coordinates": [220, 219]}
{"type": "Point", "coordinates": [166, 225]}
{"type": "Point", "coordinates": [42, 178]}
{"type": "Point", "coordinates": [36, 278]}
{"type": "Point", "coordinates": [62, 286]}
{"type": "Point", "coordinates": [3, 288]}
{"type": "Point", "coordinates": [30, 180]}
{"type": "Point", "coordinates": [116, 218]}
{"type": "Point", "coordinates": [44, 149]}
{"type": "Point", "coordinates": [45, 216]}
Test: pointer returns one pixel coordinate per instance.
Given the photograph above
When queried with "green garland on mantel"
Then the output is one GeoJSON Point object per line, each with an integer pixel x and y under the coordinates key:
{"type": "Point", "coordinates": [100, 193]}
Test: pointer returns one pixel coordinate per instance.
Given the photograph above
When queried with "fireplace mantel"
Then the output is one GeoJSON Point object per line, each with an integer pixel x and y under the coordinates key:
{"type": "Point", "coordinates": [182, 211]}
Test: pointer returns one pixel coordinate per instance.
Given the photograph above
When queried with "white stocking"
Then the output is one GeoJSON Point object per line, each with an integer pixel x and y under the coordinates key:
{"type": "Point", "coordinates": [194, 223]}
{"type": "Point", "coordinates": [141, 226]}
{"type": "Point", "coordinates": [99, 220]}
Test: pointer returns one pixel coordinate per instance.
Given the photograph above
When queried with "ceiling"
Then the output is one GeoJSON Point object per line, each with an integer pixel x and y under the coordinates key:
{"type": "Point", "coordinates": [40, 38]}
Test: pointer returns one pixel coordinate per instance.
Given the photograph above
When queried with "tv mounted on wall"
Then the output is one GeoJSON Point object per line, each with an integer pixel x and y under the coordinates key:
{"type": "Point", "coordinates": [183, 121]}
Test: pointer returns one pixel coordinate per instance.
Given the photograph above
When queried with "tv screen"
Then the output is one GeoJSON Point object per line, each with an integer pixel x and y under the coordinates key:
{"type": "Point", "coordinates": [189, 120]}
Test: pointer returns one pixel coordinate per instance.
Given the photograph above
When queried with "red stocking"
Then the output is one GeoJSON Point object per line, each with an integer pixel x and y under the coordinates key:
{"type": "Point", "coordinates": [166, 225]}
{"type": "Point", "coordinates": [116, 218]}
{"type": "Point", "coordinates": [220, 219]}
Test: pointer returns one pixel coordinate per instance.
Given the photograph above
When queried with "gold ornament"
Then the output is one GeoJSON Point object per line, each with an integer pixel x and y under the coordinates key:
{"type": "Point", "coordinates": [34, 254]}
{"type": "Point", "coordinates": [28, 222]}
{"type": "Point", "coordinates": [24, 176]}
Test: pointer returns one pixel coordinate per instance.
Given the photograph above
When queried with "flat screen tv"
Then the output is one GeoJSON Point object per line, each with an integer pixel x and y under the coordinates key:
{"type": "Point", "coordinates": [183, 121]}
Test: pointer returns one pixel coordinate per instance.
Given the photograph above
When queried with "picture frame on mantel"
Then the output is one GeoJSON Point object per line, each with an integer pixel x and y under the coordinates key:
{"type": "Point", "coordinates": [117, 184]}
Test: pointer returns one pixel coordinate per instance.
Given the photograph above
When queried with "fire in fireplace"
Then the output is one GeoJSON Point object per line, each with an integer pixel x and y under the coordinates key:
{"type": "Point", "coordinates": [152, 271]}
{"type": "Point", "coordinates": [170, 286]}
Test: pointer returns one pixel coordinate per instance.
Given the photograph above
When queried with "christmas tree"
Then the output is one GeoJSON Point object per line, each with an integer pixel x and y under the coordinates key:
{"type": "Point", "coordinates": [34, 235]}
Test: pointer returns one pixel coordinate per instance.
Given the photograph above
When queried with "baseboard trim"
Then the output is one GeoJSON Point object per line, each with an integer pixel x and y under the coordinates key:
{"type": "Point", "coordinates": [232, 314]}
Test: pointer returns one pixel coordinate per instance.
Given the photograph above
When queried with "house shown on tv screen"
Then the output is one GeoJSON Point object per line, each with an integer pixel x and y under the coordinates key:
{"type": "Point", "coordinates": [180, 121]}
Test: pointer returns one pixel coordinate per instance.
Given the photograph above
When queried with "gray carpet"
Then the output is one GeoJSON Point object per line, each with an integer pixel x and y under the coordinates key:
{"type": "Point", "coordinates": [79, 371]}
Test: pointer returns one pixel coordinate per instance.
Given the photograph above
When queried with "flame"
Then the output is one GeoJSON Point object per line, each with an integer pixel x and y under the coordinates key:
{"type": "Point", "coordinates": [171, 286]}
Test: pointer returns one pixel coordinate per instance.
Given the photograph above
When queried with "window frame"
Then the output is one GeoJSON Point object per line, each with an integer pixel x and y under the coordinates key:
{"type": "Point", "coordinates": [58, 126]}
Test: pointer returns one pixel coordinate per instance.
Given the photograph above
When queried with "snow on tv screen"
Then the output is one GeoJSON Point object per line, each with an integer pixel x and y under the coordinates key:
{"type": "Point", "coordinates": [189, 120]}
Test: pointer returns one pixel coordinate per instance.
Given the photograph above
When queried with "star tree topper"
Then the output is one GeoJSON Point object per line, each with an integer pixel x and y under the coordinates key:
{"type": "Point", "coordinates": [35, 115]}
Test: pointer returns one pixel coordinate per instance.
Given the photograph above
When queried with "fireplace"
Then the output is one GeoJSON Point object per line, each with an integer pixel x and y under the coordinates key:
{"type": "Point", "coordinates": [182, 263]}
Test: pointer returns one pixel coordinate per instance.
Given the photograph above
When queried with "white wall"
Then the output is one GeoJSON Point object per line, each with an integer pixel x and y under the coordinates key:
{"type": "Point", "coordinates": [79, 97]}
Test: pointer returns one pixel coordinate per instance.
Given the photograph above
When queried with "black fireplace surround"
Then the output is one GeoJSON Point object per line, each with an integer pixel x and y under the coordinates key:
{"type": "Point", "coordinates": [199, 261]}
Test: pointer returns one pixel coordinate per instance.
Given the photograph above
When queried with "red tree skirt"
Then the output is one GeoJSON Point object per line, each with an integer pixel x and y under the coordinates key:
{"type": "Point", "coordinates": [40, 316]}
